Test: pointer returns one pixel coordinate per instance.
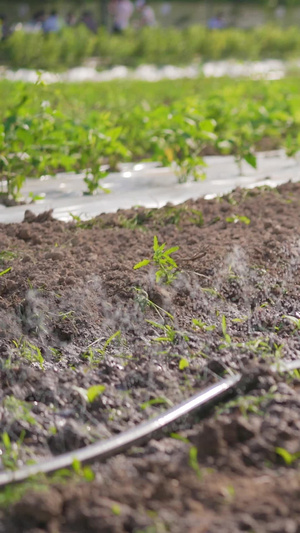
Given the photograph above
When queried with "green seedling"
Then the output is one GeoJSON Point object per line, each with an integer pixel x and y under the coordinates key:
{"type": "Point", "coordinates": [5, 271]}
{"type": "Point", "coordinates": [166, 268]}
{"type": "Point", "coordinates": [237, 218]}
{"type": "Point", "coordinates": [36, 197]}
{"type": "Point", "coordinates": [83, 472]}
{"type": "Point", "coordinates": [144, 302]}
{"type": "Point", "coordinates": [193, 461]}
{"type": "Point", "coordinates": [241, 320]}
{"type": "Point", "coordinates": [19, 409]}
{"type": "Point", "coordinates": [156, 401]}
{"type": "Point", "coordinates": [114, 336]}
{"type": "Point", "coordinates": [90, 394]}
{"type": "Point", "coordinates": [295, 321]}
{"type": "Point", "coordinates": [227, 337]}
{"type": "Point", "coordinates": [64, 315]}
{"type": "Point", "coordinates": [137, 221]}
{"type": "Point", "coordinates": [170, 334]}
{"type": "Point", "coordinates": [248, 404]}
{"type": "Point", "coordinates": [14, 493]}
{"type": "Point", "coordinates": [56, 353]}
{"type": "Point", "coordinates": [116, 509]}
{"type": "Point", "coordinates": [212, 291]}
{"type": "Point", "coordinates": [177, 436]}
{"type": "Point", "coordinates": [94, 355]}
{"type": "Point", "coordinates": [183, 364]}
{"type": "Point", "coordinates": [289, 458]}
{"type": "Point", "coordinates": [6, 255]}
{"type": "Point", "coordinates": [197, 323]}
{"type": "Point", "coordinates": [30, 352]}
{"type": "Point", "coordinates": [11, 450]}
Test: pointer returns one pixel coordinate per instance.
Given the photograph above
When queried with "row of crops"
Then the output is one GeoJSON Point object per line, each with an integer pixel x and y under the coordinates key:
{"type": "Point", "coordinates": [151, 45]}
{"type": "Point", "coordinates": [92, 128]}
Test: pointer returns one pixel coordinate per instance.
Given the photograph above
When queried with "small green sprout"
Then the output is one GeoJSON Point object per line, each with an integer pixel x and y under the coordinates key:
{"type": "Point", "coordinates": [224, 331]}
{"type": "Point", "coordinates": [248, 404]}
{"type": "Point", "coordinates": [19, 409]}
{"type": "Point", "coordinates": [295, 321]}
{"type": "Point", "coordinates": [5, 271]}
{"type": "Point", "coordinates": [114, 336]}
{"type": "Point", "coordinates": [84, 472]}
{"type": "Point", "coordinates": [183, 363]}
{"type": "Point", "coordinates": [212, 291]}
{"type": "Point", "coordinates": [116, 509]}
{"type": "Point", "coordinates": [66, 314]}
{"type": "Point", "coordinates": [202, 325]}
{"type": "Point", "coordinates": [29, 351]}
{"type": "Point", "coordinates": [144, 301]}
{"type": "Point", "coordinates": [165, 265]}
{"type": "Point", "coordinates": [170, 334]}
{"type": "Point", "coordinates": [193, 461]}
{"type": "Point", "coordinates": [90, 394]}
{"type": "Point", "coordinates": [11, 450]}
{"type": "Point", "coordinates": [92, 354]}
{"type": "Point", "coordinates": [240, 320]}
{"type": "Point", "coordinates": [161, 400]}
{"type": "Point", "coordinates": [289, 458]}
{"type": "Point", "coordinates": [6, 255]}
{"type": "Point", "coordinates": [237, 218]}
{"type": "Point", "coordinates": [177, 436]}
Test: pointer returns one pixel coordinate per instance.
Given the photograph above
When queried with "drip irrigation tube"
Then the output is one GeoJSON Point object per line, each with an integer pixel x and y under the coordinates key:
{"type": "Point", "coordinates": [102, 450]}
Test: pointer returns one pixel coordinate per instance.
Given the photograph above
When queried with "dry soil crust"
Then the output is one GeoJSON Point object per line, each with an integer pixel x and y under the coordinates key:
{"type": "Point", "coordinates": [72, 286]}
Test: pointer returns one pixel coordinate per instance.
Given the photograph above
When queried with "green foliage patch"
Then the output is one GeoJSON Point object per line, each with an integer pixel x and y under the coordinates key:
{"type": "Point", "coordinates": [93, 127]}
{"type": "Point", "coordinates": [70, 47]}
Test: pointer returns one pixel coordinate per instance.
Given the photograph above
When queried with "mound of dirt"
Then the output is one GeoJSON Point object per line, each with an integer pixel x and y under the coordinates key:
{"type": "Point", "coordinates": [74, 314]}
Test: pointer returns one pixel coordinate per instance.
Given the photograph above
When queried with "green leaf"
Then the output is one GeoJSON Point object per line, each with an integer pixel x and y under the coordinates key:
{"type": "Point", "coordinates": [289, 458]}
{"type": "Point", "coordinates": [5, 271]}
{"type": "Point", "coordinates": [171, 250]}
{"type": "Point", "coordinates": [156, 324]}
{"type": "Point", "coordinates": [183, 363]}
{"type": "Point", "coordinates": [244, 219]}
{"type": "Point", "coordinates": [94, 391]}
{"type": "Point", "coordinates": [193, 461]}
{"type": "Point", "coordinates": [177, 436]}
{"type": "Point", "coordinates": [156, 401]}
{"type": "Point", "coordinates": [76, 465]}
{"type": "Point", "coordinates": [116, 509]}
{"type": "Point", "coordinates": [6, 440]}
{"type": "Point", "coordinates": [88, 473]}
{"type": "Point", "coordinates": [155, 243]}
{"type": "Point", "coordinates": [251, 160]}
{"type": "Point", "coordinates": [224, 325]}
{"type": "Point", "coordinates": [141, 264]}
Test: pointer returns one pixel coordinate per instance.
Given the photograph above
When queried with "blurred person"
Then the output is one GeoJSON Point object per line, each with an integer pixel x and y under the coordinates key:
{"type": "Point", "coordinates": [280, 12]}
{"type": "Point", "coordinates": [121, 11]}
{"type": "Point", "coordinates": [216, 22]}
{"type": "Point", "coordinates": [51, 23]}
{"type": "Point", "coordinates": [166, 9]}
{"type": "Point", "coordinates": [23, 10]}
{"type": "Point", "coordinates": [5, 30]}
{"type": "Point", "coordinates": [70, 19]}
{"type": "Point", "coordinates": [88, 19]}
{"type": "Point", "coordinates": [146, 14]}
{"type": "Point", "coordinates": [36, 23]}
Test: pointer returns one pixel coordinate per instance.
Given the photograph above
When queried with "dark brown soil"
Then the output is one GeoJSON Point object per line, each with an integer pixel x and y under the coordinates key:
{"type": "Point", "coordinates": [72, 286]}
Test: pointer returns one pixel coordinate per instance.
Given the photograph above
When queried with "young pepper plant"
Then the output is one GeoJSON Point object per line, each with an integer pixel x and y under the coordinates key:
{"type": "Point", "coordinates": [166, 268]}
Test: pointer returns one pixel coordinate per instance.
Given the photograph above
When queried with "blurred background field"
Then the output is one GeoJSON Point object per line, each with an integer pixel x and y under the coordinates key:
{"type": "Point", "coordinates": [96, 127]}
{"type": "Point", "coordinates": [60, 35]}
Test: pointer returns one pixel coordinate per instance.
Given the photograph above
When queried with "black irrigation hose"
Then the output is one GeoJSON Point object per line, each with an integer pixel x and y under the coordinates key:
{"type": "Point", "coordinates": [102, 450]}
